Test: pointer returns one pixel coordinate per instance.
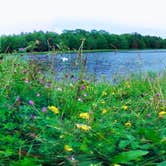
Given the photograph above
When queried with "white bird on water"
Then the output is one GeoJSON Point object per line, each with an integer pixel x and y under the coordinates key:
{"type": "Point", "coordinates": [64, 59]}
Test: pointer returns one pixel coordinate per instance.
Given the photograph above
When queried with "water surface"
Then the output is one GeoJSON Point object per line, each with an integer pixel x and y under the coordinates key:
{"type": "Point", "coordinates": [108, 64]}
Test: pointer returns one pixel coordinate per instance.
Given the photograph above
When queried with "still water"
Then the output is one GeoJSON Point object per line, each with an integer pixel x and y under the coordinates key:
{"type": "Point", "coordinates": [108, 64]}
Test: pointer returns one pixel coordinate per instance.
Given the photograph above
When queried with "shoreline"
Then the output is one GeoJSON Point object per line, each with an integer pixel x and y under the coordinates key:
{"type": "Point", "coordinates": [86, 51]}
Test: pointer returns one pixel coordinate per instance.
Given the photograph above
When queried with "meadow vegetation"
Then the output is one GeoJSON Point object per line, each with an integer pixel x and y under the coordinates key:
{"type": "Point", "coordinates": [84, 123]}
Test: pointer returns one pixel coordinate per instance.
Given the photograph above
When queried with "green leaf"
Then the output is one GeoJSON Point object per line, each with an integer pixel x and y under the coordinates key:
{"type": "Point", "coordinates": [124, 157]}
{"type": "Point", "coordinates": [84, 147]}
{"type": "Point", "coordinates": [24, 162]}
{"type": "Point", "coordinates": [123, 144]}
{"type": "Point", "coordinates": [162, 163]}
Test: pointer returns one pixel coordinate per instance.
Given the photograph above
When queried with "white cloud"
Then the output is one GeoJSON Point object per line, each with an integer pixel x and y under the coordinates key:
{"type": "Point", "coordinates": [29, 15]}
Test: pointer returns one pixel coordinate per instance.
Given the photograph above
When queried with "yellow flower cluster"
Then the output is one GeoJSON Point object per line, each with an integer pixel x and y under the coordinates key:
{"type": "Point", "coordinates": [125, 107]}
{"type": "Point", "coordinates": [84, 115]}
{"type": "Point", "coordinates": [127, 84]}
{"type": "Point", "coordinates": [54, 109]}
{"type": "Point", "coordinates": [161, 114]}
{"type": "Point", "coordinates": [104, 111]}
{"type": "Point", "coordinates": [104, 93]}
{"type": "Point", "coordinates": [113, 93]}
{"type": "Point", "coordinates": [102, 102]}
{"type": "Point", "coordinates": [83, 127]}
{"type": "Point", "coordinates": [68, 148]}
{"type": "Point", "coordinates": [128, 124]}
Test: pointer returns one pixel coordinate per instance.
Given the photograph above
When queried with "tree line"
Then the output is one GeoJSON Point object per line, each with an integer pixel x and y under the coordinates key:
{"type": "Point", "coordinates": [71, 40]}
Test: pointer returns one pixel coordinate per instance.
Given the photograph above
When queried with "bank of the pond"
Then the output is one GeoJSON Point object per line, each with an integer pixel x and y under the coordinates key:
{"type": "Point", "coordinates": [59, 52]}
{"type": "Point", "coordinates": [44, 122]}
{"type": "Point", "coordinates": [83, 51]}
{"type": "Point", "coordinates": [99, 50]}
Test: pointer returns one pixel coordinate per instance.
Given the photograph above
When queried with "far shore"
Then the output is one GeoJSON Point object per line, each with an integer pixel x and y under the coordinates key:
{"type": "Point", "coordinates": [84, 51]}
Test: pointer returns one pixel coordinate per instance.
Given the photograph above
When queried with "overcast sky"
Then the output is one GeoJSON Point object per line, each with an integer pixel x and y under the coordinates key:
{"type": "Point", "coordinates": [147, 17]}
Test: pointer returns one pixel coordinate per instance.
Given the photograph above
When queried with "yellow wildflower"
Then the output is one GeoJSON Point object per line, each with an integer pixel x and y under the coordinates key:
{"type": "Point", "coordinates": [84, 115]}
{"type": "Point", "coordinates": [104, 111]}
{"type": "Point", "coordinates": [104, 93]}
{"type": "Point", "coordinates": [128, 124]}
{"type": "Point", "coordinates": [125, 107]}
{"type": "Point", "coordinates": [68, 148]}
{"type": "Point", "coordinates": [113, 93]}
{"type": "Point", "coordinates": [116, 165]}
{"type": "Point", "coordinates": [127, 84]}
{"type": "Point", "coordinates": [162, 113]}
{"type": "Point", "coordinates": [83, 127]}
{"type": "Point", "coordinates": [54, 109]}
{"type": "Point", "coordinates": [102, 102]}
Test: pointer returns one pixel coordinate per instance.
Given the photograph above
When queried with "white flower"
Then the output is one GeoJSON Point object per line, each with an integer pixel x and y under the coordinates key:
{"type": "Point", "coordinates": [59, 89]}
{"type": "Point", "coordinates": [80, 100]}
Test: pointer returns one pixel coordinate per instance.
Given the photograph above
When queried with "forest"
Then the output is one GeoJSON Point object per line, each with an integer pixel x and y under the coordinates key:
{"type": "Point", "coordinates": [39, 41]}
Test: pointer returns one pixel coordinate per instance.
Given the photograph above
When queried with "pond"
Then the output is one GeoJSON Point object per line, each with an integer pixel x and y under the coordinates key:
{"type": "Point", "coordinates": [108, 64]}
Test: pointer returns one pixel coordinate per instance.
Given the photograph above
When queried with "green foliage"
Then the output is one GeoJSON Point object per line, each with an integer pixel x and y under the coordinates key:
{"type": "Point", "coordinates": [125, 157]}
{"type": "Point", "coordinates": [24, 162]}
{"type": "Point", "coordinates": [89, 123]}
{"type": "Point", "coordinates": [162, 163]}
{"type": "Point", "coordinates": [71, 39]}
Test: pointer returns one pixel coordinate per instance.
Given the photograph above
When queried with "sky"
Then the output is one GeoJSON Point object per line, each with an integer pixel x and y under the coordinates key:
{"type": "Point", "coordinates": [147, 17]}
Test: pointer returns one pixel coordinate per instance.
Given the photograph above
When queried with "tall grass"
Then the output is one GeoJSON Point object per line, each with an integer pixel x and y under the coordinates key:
{"type": "Point", "coordinates": [45, 122]}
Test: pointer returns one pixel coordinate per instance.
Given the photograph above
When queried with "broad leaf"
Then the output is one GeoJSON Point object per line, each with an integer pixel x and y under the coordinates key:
{"type": "Point", "coordinates": [162, 163]}
{"type": "Point", "coordinates": [125, 157]}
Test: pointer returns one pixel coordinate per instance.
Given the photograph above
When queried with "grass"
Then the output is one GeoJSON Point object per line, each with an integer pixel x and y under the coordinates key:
{"type": "Point", "coordinates": [44, 122]}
